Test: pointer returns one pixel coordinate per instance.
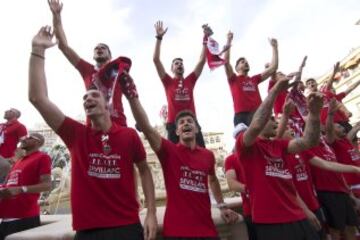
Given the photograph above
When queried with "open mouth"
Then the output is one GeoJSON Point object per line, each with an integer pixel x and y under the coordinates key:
{"type": "Point", "coordinates": [90, 106]}
{"type": "Point", "coordinates": [187, 129]}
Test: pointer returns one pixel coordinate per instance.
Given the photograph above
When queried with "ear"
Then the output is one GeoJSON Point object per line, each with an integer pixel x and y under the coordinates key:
{"type": "Point", "coordinates": [177, 131]}
{"type": "Point", "coordinates": [196, 129]}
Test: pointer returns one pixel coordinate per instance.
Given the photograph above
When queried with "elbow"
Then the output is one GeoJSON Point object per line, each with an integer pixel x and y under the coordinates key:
{"type": "Point", "coordinates": [47, 187]}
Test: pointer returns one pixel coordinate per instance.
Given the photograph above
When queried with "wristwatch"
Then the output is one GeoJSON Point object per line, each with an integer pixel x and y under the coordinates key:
{"type": "Point", "coordinates": [24, 189]}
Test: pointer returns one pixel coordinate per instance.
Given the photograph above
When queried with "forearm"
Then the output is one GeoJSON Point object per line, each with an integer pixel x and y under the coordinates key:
{"type": "Point", "coordinates": [37, 79]}
{"type": "Point", "coordinates": [274, 61]}
{"type": "Point", "coordinates": [38, 188]}
{"type": "Point", "coordinates": [352, 87]}
{"type": "Point", "coordinates": [215, 189]}
{"type": "Point", "coordinates": [236, 186]}
{"type": "Point", "coordinates": [329, 128]}
{"type": "Point", "coordinates": [156, 56]}
{"type": "Point", "coordinates": [59, 31]}
{"type": "Point", "coordinates": [148, 189]}
{"type": "Point", "coordinates": [282, 126]}
{"type": "Point", "coordinates": [312, 130]}
{"type": "Point", "coordinates": [333, 166]}
{"type": "Point", "coordinates": [353, 132]}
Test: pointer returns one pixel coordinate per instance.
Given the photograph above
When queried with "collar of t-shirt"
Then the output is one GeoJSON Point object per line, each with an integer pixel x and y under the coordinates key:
{"type": "Point", "coordinates": [184, 147]}
{"type": "Point", "coordinates": [113, 129]}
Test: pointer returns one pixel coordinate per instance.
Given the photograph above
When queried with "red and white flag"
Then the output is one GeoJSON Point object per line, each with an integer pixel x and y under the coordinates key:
{"type": "Point", "coordinates": [213, 54]}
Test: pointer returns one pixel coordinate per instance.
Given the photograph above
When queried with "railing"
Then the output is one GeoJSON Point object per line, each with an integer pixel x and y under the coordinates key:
{"type": "Point", "coordinates": [59, 226]}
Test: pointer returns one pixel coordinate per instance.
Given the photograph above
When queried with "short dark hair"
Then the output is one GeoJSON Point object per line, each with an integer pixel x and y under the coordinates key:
{"type": "Point", "coordinates": [176, 59]}
{"type": "Point", "coordinates": [107, 46]}
{"type": "Point", "coordinates": [310, 79]}
{"type": "Point", "coordinates": [239, 59]}
{"type": "Point", "coordinates": [182, 114]}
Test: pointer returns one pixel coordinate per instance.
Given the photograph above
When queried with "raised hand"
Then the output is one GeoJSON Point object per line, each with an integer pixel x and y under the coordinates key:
{"type": "Point", "coordinates": [273, 42]}
{"type": "Point", "coordinates": [159, 28]}
{"type": "Point", "coordinates": [289, 106]}
{"type": "Point", "coordinates": [55, 6]}
{"type": "Point", "coordinates": [44, 38]}
{"type": "Point", "coordinates": [315, 102]}
{"type": "Point", "coordinates": [303, 63]}
{"type": "Point", "coordinates": [283, 81]}
{"type": "Point", "coordinates": [333, 106]}
{"type": "Point", "coordinates": [336, 68]}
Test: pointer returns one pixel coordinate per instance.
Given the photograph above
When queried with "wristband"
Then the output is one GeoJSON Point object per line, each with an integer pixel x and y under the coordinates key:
{"type": "Point", "coordinates": [158, 37]}
{"type": "Point", "coordinates": [24, 189]}
{"type": "Point", "coordinates": [222, 206]}
{"type": "Point", "coordinates": [37, 55]}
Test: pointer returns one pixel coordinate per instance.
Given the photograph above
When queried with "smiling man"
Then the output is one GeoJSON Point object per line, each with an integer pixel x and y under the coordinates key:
{"type": "Point", "coordinates": [103, 155]}
{"type": "Point", "coordinates": [189, 172]}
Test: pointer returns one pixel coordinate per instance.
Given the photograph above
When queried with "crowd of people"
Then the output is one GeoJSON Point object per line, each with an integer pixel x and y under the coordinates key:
{"type": "Point", "coordinates": [295, 159]}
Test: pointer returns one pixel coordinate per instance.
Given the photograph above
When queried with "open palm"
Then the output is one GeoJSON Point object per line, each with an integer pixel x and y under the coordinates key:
{"type": "Point", "coordinates": [44, 38]}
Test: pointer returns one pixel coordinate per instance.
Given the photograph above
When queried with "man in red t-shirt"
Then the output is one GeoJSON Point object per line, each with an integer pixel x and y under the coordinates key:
{"type": "Point", "coordinates": [28, 177]}
{"type": "Point", "coordinates": [103, 155]}
{"type": "Point", "coordinates": [10, 133]}
{"type": "Point", "coordinates": [107, 84]}
{"type": "Point", "coordinates": [235, 178]}
{"type": "Point", "coordinates": [189, 172]}
{"type": "Point", "coordinates": [178, 89]}
{"type": "Point", "coordinates": [244, 89]}
{"type": "Point", "coordinates": [275, 206]}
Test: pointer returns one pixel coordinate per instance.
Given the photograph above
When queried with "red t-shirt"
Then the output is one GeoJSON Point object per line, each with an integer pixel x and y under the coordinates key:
{"type": "Point", "coordinates": [273, 195]}
{"type": "Point", "coordinates": [347, 154]}
{"type": "Point", "coordinates": [179, 95]}
{"type": "Point", "coordinates": [10, 134]}
{"type": "Point", "coordinates": [25, 172]}
{"type": "Point", "coordinates": [245, 92]}
{"type": "Point", "coordinates": [102, 182]}
{"type": "Point", "coordinates": [326, 180]}
{"type": "Point", "coordinates": [188, 209]}
{"type": "Point", "coordinates": [233, 163]}
{"type": "Point", "coordinates": [113, 94]}
{"type": "Point", "coordinates": [302, 179]}
{"type": "Point", "coordinates": [339, 116]}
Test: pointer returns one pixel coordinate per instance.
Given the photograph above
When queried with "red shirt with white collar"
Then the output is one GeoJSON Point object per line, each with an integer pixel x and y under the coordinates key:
{"type": "Point", "coordinates": [179, 95]}
{"type": "Point", "coordinates": [102, 178]}
{"type": "Point", "coordinates": [26, 171]}
{"type": "Point", "coordinates": [188, 209]}
{"type": "Point", "coordinates": [10, 134]}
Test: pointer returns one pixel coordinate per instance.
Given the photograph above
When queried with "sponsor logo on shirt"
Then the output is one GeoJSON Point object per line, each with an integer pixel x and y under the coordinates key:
{"type": "Point", "coordinates": [14, 177]}
{"type": "Point", "coordinates": [354, 154]}
{"type": "Point", "coordinates": [300, 170]}
{"type": "Point", "coordinates": [275, 168]}
{"type": "Point", "coordinates": [249, 86]}
{"type": "Point", "coordinates": [193, 180]}
{"type": "Point", "coordinates": [182, 94]}
{"type": "Point", "coordinates": [104, 166]}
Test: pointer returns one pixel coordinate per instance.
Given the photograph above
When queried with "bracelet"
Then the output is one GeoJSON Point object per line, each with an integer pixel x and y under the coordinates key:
{"type": "Point", "coordinates": [37, 55]}
{"type": "Point", "coordinates": [158, 37]}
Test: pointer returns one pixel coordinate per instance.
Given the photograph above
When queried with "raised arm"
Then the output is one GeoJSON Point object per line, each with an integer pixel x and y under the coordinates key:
{"type": "Point", "coordinates": [38, 95]}
{"type": "Point", "coordinates": [288, 108]}
{"type": "Point", "coordinates": [200, 65]}
{"type": "Point", "coordinates": [352, 87]}
{"type": "Point", "coordinates": [352, 133]}
{"type": "Point", "coordinates": [329, 83]}
{"type": "Point", "coordinates": [311, 135]}
{"type": "Point", "coordinates": [329, 127]}
{"type": "Point", "coordinates": [228, 68]}
{"type": "Point", "coordinates": [160, 32]}
{"type": "Point", "coordinates": [70, 54]}
{"type": "Point", "coordinates": [274, 62]}
{"type": "Point", "coordinates": [263, 113]}
{"type": "Point", "coordinates": [141, 118]}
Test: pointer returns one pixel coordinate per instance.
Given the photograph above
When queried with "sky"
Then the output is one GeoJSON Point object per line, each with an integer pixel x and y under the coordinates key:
{"type": "Point", "coordinates": [324, 30]}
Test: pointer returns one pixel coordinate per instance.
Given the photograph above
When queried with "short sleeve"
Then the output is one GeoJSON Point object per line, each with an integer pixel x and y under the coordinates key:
{"type": "Point", "coordinates": [192, 78]}
{"type": "Point", "coordinates": [68, 131]}
{"type": "Point", "coordinates": [164, 150]}
{"type": "Point", "coordinates": [138, 149]}
{"type": "Point", "coordinates": [307, 155]}
{"type": "Point", "coordinates": [212, 164]}
{"type": "Point", "coordinates": [257, 78]}
{"type": "Point", "coordinates": [86, 70]}
{"type": "Point", "coordinates": [22, 131]}
{"type": "Point", "coordinates": [340, 96]}
{"type": "Point", "coordinates": [232, 78]}
{"type": "Point", "coordinates": [45, 165]}
{"type": "Point", "coordinates": [166, 80]}
{"type": "Point", "coordinates": [228, 165]}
